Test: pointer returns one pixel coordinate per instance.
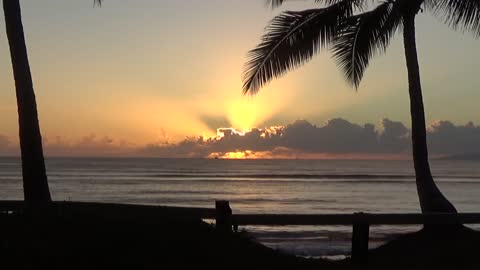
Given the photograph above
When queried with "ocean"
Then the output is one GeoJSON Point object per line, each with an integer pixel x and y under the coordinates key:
{"type": "Point", "coordinates": [260, 186]}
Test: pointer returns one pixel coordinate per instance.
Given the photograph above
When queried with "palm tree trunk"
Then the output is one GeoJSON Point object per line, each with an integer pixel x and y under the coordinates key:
{"type": "Point", "coordinates": [35, 184]}
{"type": "Point", "coordinates": [431, 199]}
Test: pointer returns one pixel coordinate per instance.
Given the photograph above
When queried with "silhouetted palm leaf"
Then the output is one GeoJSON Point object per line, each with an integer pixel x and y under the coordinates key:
{"type": "Point", "coordinates": [277, 3]}
{"type": "Point", "coordinates": [292, 39]}
{"type": "Point", "coordinates": [459, 14]}
{"type": "Point", "coordinates": [362, 36]}
{"type": "Point", "coordinates": [274, 3]}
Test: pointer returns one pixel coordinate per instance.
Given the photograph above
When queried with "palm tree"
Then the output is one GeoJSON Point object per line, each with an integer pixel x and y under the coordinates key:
{"type": "Point", "coordinates": [35, 182]}
{"type": "Point", "coordinates": [356, 30]}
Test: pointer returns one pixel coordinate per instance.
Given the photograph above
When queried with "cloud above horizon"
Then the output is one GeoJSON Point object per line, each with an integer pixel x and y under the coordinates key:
{"type": "Point", "coordinates": [300, 139]}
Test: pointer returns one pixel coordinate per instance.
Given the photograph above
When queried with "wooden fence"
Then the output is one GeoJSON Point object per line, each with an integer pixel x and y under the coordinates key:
{"type": "Point", "coordinates": [226, 221]}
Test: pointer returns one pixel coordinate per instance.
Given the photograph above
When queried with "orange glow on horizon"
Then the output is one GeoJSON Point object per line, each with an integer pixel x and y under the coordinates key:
{"type": "Point", "coordinates": [285, 153]}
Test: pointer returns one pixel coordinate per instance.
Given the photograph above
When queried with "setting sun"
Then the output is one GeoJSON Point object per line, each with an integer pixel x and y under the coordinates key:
{"type": "Point", "coordinates": [243, 115]}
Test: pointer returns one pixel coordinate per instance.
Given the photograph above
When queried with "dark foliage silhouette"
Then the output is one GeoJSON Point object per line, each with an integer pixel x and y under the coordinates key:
{"type": "Point", "coordinates": [354, 31]}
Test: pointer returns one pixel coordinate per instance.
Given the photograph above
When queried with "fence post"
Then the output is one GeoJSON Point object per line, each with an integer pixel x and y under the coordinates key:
{"type": "Point", "coordinates": [360, 236]}
{"type": "Point", "coordinates": [223, 216]}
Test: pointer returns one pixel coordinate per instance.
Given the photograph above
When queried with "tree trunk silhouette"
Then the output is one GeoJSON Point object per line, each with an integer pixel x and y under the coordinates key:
{"type": "Point", "coordinates": [35, 184]}
{"type": "Point", "coordinates": [431, 198]}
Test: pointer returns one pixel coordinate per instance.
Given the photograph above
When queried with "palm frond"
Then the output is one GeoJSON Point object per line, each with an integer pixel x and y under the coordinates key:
{"type": "Point", "coordinates": [364, 35]}
{"type": "Point", "coordinates": [277, 3]}
{"type": "Point", "coordinates": [292, 39]}
{"type": "Point", "coordinates": [97, 2]}
{"type": "Point", "coordinates": [358, 5]}
{"type": "Point", "coordinates": [459, 14]}
{"type": "Point", "coordinates": [274, 3]}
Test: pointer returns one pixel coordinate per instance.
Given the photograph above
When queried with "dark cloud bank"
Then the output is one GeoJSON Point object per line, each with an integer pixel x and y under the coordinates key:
{"type": "Point", "coordinates": [301, 139]}
{"type": "Point", "coordinates": [336, 137]}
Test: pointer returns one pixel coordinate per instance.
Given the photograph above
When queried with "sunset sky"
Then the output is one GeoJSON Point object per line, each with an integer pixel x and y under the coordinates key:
{"type": "Point", "coordinates": [140, 74]}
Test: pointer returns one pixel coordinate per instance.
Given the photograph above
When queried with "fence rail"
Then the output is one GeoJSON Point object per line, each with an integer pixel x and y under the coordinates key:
{"type": "Point", "coordinates": [227, 221]}
{"type": "Point", "coordinates": [357, 218]}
